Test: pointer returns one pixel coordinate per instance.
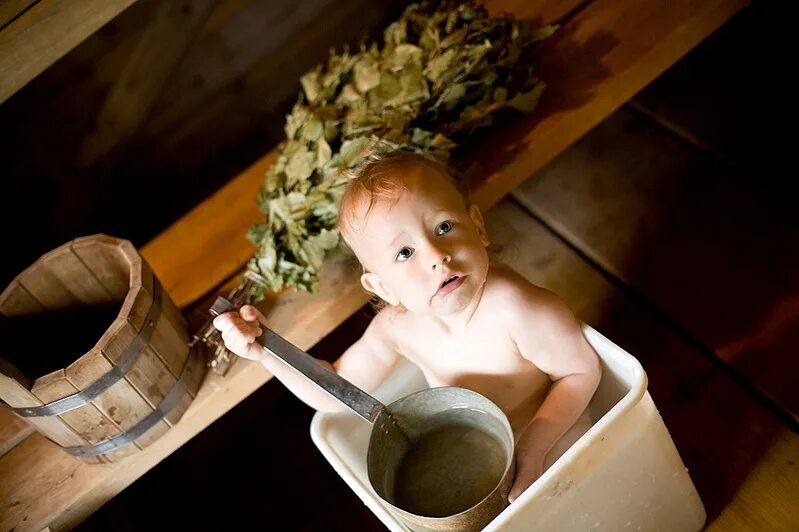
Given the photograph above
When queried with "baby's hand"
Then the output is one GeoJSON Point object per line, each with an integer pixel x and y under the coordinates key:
{"type": "Point", "coordinates": [239, 331]}
{"type": "Point", "coordinates": [529, 466]}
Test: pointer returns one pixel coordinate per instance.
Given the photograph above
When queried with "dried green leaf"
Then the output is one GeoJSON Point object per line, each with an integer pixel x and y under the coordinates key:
{"type": "Point", "coordinates": [429, 39]}
{"type": "Point", "coordinates": [360, 120]}
{"type": "Point", "coordinates": [388, 88]}
{"type": "Point", "coordinates": [299, 114]}
{"type": "Point", "coordinates": [403, 55]}
{"type": "Point", "coordinates": [366, 74]}
{"type": "Point", "coordinates": [438, 65]}
{"type": "Point", "coordinates": [312, 129]}
{"type": "Point", "coordinates": [323, 152]}
{"type": "Point", "coordinates": [394, 35]}
{"type": "Point", "coordinates": [326, 209]}
{"type": "Point", "coordinates": [526, 101]}
{"type": "Point", "coordinates": [543, 32]}
{"type": "Point", "coordinates": [331, 130]}
{"type": "Point", "coordinates": [452, 19]}
{"type": "Point", "coordinates": [315, 247]}
{"type": "Point", "coordinates": [289, 149]}
{"type": "Point", "coordinates": [451, 96]}
{"type": "Point", "coordinates": [453, 38]}
{"type": "Point", "coordinates": [300, 166]}
{"type": "Point", "coordinates": [257, 233]}
{"type": "Point", "coordinates": [296, 205]}
{"type": "Point", "coordinates": [310, 85]}
{"type": "Point", "coordinates": [274, 178]}
{"type": "Point", "coordinates": [500, 95]}
{"type": "Point", "coordinates": [352, 150]}
{"type": "Point", "coordinates": [348, 95]}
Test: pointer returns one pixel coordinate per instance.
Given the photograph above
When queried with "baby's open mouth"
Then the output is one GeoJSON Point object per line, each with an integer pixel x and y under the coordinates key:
{"type": "Point", "coordinates": [450, 284]}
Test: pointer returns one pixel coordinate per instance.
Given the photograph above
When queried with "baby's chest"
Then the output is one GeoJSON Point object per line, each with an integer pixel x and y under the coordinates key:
{"type": "Point", "coordinates": [444, 354]}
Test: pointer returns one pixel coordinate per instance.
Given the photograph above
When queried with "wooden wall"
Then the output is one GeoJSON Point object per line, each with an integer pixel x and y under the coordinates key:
{"type": "Point", "coordinates": [156, 110]}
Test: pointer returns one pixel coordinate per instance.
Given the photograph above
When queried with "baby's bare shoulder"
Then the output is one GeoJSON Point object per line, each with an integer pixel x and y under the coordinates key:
{"type": "Point", "coordinates": [509, 289]}
{"type": "Point", "coordinates": [522, 306]}
{"type": "Point", "coordinates": [390, 322]}
{"type": "Point", "coordinates": [516, 300]}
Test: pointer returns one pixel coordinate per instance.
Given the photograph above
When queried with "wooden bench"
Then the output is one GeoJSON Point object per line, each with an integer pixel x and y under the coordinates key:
{"type": "Point", "coordinates": [605, 52]}
{"type": "Point", "coordinates": [34, 34]}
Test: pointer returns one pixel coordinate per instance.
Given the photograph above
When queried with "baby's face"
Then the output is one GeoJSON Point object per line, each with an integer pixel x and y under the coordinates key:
{"type": "Point", "coordinates": [426, 250]}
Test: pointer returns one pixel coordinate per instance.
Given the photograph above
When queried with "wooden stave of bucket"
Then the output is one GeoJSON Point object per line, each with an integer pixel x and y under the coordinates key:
{"type": "Point", "coordinates": [133, 409]}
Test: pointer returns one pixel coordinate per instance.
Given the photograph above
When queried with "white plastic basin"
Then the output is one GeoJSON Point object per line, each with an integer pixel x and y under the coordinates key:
{"type": "Point", "coordinates": [624, 473]}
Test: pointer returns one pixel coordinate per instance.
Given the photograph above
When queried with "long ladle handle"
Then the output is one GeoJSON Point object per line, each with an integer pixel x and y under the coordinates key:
{"type": "Point", "coordinates": [358, 400]}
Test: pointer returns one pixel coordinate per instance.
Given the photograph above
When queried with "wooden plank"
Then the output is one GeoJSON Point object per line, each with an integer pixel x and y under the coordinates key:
{"type": "Point", "coordinates": [12, 430]}
{"type": "Point", "coordinates": [180, 256]}
{"type": "Point", "coordinates": [608, 52]}
{"type": "Point", "coordinates": [46, 32]}
{"type": "Point", "coordinates": [266, 91]}
{"type": "Point", "coordinates": [705, 112]}
{"type": "Point", "coordinates": [46, 288]}
{"type": "Point", "coordinates": [15, 300]}
{"type": "Point", "coordinates": [122, 403]}
{"type": "Point", "coordinates": [9, 9]}
{"type": "Point", "coordinates": [538, 11]}
{"type": "Point", "coordinates": [67, 267]}
{"type": "Point", "coordinates": [179, 335]}
{"type": "Point", "coordinates": [706, 248]}
{"type": "Point", "coordinates": [171, 30]}
{"type": "Point", "coordinates": [767, 498]}
{"type": "Point", "coordinates": [37, 454]}
{"type": "Point", "coordinates": [86, 420]}
{"type": "Point", "coordinates": [169, 340]}
{"type": "Point", "coordinates": [741, 457]}
{"type": "Point", "coordinates": [99, 254]}
{"type": "Point", "coordinates": [258, 31]}
{"type": "Point", "coordinates": [149, 376]}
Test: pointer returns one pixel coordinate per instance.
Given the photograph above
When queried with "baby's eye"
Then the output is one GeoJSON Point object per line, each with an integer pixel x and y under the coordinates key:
{"type": "Point", "coordinates": [444, 227]}
{"type": "Point", "coordinates": [404, 254]}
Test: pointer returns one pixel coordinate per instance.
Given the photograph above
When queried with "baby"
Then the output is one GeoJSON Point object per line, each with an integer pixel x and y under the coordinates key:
{"type": "Point", "coordinates": [463, 322]}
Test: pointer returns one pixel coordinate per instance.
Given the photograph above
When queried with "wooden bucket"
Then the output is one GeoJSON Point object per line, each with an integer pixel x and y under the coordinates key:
{"type": "Point", "coordinates": [136, 377]}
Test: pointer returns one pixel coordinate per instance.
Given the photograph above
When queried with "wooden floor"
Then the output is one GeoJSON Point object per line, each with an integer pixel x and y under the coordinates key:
{"type": "Point", "coordinates": [664, 246]}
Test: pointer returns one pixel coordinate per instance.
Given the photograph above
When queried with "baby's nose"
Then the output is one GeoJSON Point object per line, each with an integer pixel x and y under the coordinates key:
{"type": "Point", "coordinates": [440, 259]}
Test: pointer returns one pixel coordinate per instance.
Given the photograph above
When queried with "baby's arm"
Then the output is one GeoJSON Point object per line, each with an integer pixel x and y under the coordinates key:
{"type": "Point", "coordinates": [547, 333]}
{"type": "Point", "coordinates": [366, 363]}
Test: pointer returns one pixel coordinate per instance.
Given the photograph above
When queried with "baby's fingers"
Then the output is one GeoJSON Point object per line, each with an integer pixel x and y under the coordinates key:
{"type": "Point", "coordinates": [239, 335]}
{"type": "Point", "coordinates": [232, 320]}
{"type": "Point", "coordinates": [250, 313]}
{"type": "Point", "coordinates": [223, 322]}
{"type": "Point", "coordinates": [243, 344]}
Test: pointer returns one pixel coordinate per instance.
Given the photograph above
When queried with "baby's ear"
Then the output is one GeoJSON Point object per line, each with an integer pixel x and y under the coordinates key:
{"type": "Point", "coordinates": [477, 218]}
{"type": "Point", "coordinates": [374, 283]}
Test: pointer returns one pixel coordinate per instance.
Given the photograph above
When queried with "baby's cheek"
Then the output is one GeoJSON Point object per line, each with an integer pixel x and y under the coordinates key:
{"type": "Point", "coordinates": [481, 256]}
{"type": "Point", "coordinates": [402, 283]}
{"type": "Point", "coordinates": [412, 278]}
